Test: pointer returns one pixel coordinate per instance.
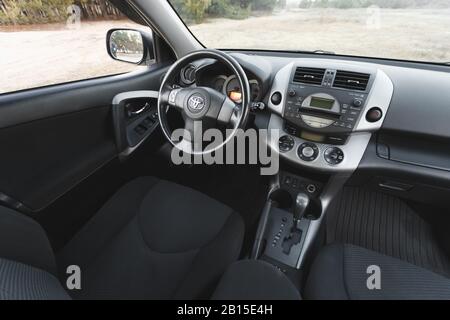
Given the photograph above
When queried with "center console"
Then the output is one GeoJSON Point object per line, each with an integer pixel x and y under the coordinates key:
{"type": "Point", "coordinates": [325, 112]}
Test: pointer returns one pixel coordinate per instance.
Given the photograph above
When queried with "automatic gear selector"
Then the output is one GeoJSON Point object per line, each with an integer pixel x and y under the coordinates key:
{"type": "Point", "coordinates": [301, 204]}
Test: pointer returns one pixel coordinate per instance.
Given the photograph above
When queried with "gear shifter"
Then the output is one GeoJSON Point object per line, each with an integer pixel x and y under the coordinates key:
{"type": "Point", "coordinates": [301, 204]}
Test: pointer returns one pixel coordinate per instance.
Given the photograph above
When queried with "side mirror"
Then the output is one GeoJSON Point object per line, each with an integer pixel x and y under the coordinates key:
{"type": "Point", "coordinates": [130, 45]}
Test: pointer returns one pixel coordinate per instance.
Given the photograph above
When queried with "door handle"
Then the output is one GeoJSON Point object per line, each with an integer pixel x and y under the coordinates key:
{"type": "Point", "coordinates": [138, 111]}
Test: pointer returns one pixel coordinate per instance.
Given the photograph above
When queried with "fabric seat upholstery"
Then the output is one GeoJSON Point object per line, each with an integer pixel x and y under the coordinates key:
{"type": "Point", "coordinates": [339, 272]}
{"type": "Point", "coordinates": [152, 240]}
{"type": "Point", "coordinates": [255, 280]}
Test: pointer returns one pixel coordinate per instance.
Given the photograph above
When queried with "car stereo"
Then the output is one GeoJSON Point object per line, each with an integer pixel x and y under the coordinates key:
{"type": "Point", "coordinates": [333, 111]}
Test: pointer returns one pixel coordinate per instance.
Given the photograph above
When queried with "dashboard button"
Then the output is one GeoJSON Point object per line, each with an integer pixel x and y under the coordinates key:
{"type": "Point", "coordinates": [276, 98]}
{"type": "Point", "coordinates": [308, 151]}
{"type": "Point", "coordinates": [374, 114]}
{"type": "Point", "coordinates": [334, 155]}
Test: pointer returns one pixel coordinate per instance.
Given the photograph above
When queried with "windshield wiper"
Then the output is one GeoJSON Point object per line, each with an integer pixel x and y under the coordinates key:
{"type": "Point", "coordinates": [314, 51]}
{"type": "Point", "coordinates": [323, 52]}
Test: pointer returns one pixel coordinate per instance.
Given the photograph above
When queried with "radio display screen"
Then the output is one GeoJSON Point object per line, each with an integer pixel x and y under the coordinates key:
{"type": "Point", "coordinates": [321, 103]}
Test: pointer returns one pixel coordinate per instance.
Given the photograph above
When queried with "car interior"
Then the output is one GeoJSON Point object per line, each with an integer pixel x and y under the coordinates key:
{"type": "Point", "coordinates": [363, 182]}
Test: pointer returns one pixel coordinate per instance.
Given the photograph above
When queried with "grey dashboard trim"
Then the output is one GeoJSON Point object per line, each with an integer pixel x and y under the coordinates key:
{"type": "Point", "coordinates": [330, 192]}
{"type": "Point", "coordinates": [115, 106]}
{"type": "Point", "coordinates": [380, 96]}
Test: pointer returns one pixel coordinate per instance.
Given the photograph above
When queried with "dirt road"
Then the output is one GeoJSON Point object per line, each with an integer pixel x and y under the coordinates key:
{"type": "Point", "coordinates": [31, 58]}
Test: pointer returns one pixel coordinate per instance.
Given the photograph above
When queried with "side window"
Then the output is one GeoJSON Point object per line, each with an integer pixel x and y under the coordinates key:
{"type": "Point", "coordinates": [49, 42]}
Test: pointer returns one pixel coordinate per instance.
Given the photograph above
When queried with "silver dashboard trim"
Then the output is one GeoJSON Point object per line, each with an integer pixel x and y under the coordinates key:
{"type": "Point", "coordinates": [353, 150]}
{"type": "Point", "coordinates": [280, 84]}
{"type": "Point", "coordinates": [380, 96]}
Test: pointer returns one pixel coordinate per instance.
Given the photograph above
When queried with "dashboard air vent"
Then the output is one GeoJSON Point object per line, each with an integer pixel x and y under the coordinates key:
{"type": "Point", "coordinates": [351, 80]}
{"type": "Point", "coordinates": [309, 75]}
{"type": "Point", "coordinates": [188, 74]}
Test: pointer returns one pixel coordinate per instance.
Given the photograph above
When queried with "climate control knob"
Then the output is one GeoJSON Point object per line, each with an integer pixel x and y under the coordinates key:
{"type": "Point", "coordinates": [308, 151]}
{"type": "Point", "coordinates": [286, 143]}
{"type": "Point", "coordinates": [334, 155]}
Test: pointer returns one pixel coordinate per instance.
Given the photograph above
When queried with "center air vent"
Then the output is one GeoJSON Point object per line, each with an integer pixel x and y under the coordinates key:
{"type": "Point", "coordinates": [351, 80]}
{"type": "Point", "coordinates": [309, 75]}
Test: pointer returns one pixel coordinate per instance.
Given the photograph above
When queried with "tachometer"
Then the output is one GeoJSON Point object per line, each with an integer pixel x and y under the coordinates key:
{"type": "Point", "coordinates": [219, 83]}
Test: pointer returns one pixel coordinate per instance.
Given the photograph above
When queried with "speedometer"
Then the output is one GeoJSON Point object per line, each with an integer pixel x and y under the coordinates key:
{"type": "Point", "coordinates": [233, 90]}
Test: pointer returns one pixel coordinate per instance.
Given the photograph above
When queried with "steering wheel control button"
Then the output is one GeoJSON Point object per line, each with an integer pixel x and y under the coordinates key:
{"type": "Point", "coordinates": [334, 155]}
{"type": "Point", "coordinates": [276, 98]}
{"type": "Point", "coordinates": [308, 151]}
{"type": "Point", "coordinates": [286, 143]}
{"type": "Point", "coordinates": [374, 114]}
{"type": "Point", "coordinates": [173, 96]}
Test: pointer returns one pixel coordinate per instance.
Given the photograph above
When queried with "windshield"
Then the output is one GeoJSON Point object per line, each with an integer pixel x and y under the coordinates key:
{"type": "Point", "coordinates": [398, 29]}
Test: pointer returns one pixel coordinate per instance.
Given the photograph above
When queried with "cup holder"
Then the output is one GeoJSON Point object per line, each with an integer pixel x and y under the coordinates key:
{"type": "Point", "coordinates": [282, 198]}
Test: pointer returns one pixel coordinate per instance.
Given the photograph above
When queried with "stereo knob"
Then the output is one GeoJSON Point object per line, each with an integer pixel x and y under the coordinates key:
{"type": "Point", "coordinates": [276, 98]}
{"type": "Point", "coordinates": [357, 103]}
{"type": "Point", "coordinates": [292, 93]}
{"type": "Point", "coordinates": [308, 151]}
{"type": "Point", "coordinates": [333, 155]}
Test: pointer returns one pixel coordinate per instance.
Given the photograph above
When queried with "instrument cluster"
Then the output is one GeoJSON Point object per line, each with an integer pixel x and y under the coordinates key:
{"type": "Point", "coordinates": [229, 86]}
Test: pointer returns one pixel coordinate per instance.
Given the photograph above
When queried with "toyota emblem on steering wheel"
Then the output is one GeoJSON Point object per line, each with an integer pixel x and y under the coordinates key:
{"type": "Point", "coordinates": [196, 103]}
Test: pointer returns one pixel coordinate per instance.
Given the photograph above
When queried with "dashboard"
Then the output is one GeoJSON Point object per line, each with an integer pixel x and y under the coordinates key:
{"type": "Point", "coordinates": [387, 120]}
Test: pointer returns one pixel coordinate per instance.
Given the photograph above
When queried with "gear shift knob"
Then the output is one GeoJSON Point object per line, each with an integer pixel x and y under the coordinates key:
{"type": "Point", "coordinates": [301, 204]}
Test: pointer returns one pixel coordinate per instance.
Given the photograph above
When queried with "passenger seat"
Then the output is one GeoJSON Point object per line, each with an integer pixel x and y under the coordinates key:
{"type": "Point", "coordinates": [341, 272]}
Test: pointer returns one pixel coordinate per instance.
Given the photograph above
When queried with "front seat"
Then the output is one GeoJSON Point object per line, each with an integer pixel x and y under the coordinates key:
{"type": "Point", "coordinates": [152, 240]}
{"type": "Point", "coordinates": [340, 272]}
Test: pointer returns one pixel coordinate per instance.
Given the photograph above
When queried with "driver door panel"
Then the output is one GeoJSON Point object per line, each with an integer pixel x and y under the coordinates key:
{"type": "Point", "coordinates": [55, 137]}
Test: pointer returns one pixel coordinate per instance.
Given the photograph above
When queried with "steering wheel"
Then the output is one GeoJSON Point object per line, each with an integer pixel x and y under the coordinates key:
{"type": "Point", "coordinates": [202, 107]}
